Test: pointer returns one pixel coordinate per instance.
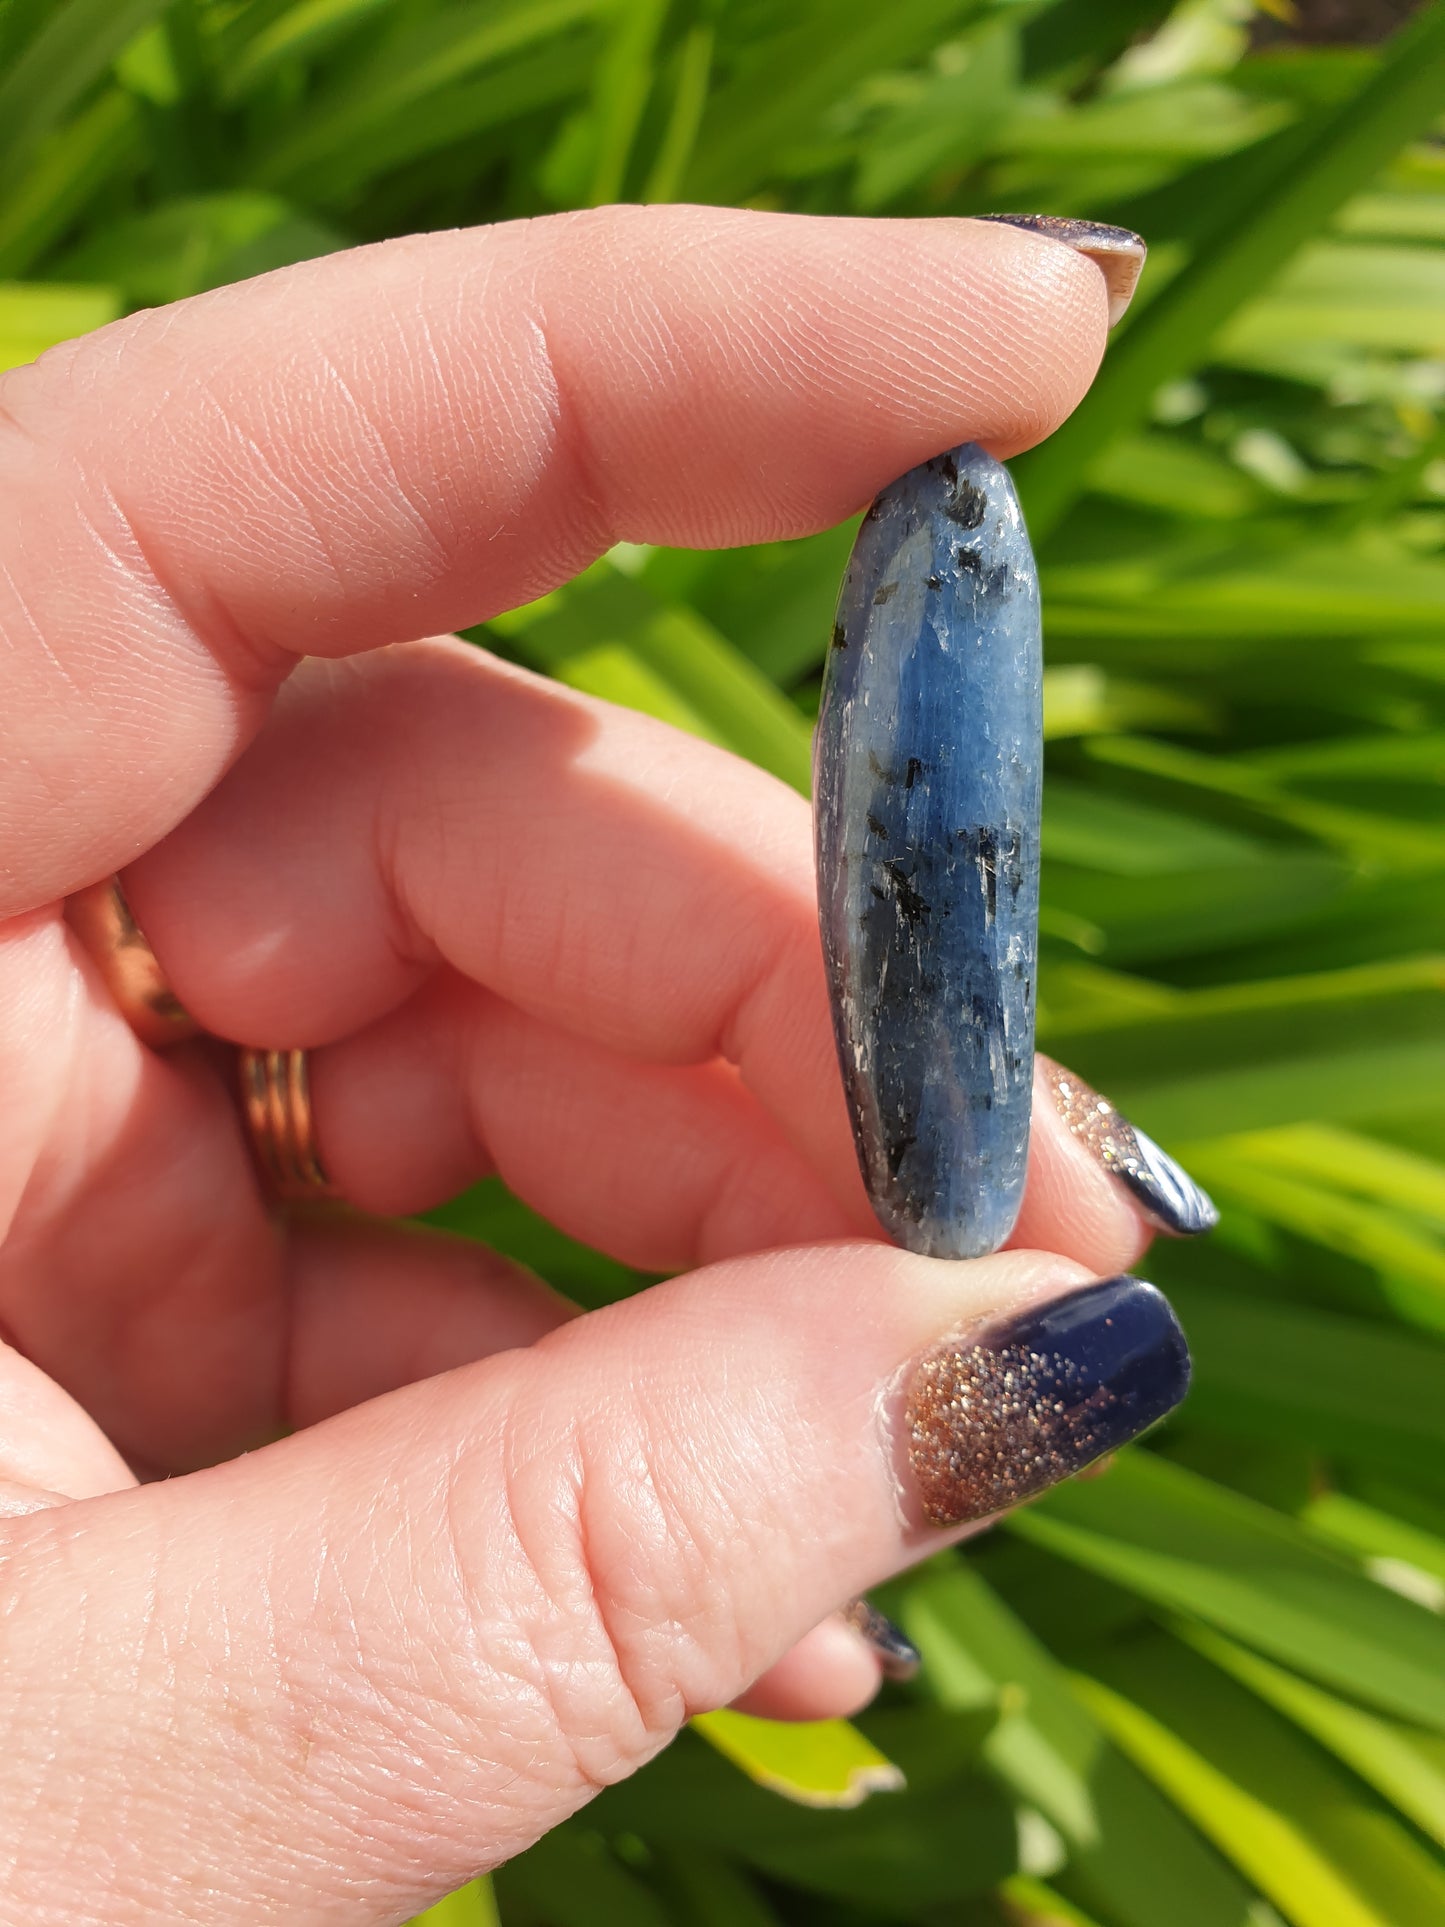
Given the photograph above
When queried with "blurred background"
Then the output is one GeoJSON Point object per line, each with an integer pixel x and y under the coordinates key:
{"type": "Point", "coordinates": [1208, 1689]}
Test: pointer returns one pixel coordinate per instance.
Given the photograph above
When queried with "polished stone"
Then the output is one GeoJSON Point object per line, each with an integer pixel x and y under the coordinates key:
{"type": "Point", "coordinates": [927, 773]}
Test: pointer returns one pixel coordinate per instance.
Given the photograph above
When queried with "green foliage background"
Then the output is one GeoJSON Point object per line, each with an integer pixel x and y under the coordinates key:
{"type": "Point", "coordinates": [1207, 1690]}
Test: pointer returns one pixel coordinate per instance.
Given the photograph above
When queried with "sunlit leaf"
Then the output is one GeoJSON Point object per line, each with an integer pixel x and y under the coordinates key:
{"type": "Point", "coordinates": [33, 319]}
{"type": "Point", "coordinates": [1188, 1544]}
{"type": "Point", "coordinates": [1404, 1764]}
{"type": "Point", "coordinates": [1252, 242]}
{"type": "Point", "coordinates": [1129, 1855]}
{"type": "Point", "coordinates": [73, 47]}
{"type": "Point", "coordinates": [1323, 1851]}
{"type": "Point", "coordinates": [818, 1763]}
{"type": "Point", "coordinates": [471, 1906]}
{"type": "Point", "coordinates": [1359, 1389]}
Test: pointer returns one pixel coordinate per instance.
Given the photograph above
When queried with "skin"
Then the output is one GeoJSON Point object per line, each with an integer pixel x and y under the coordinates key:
{"type": "Point", "coordinates": [508, 1551]}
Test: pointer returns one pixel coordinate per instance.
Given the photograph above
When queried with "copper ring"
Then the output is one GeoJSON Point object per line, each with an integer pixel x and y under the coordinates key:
{"type": "Point", "coordinates": [105, 924]}
{"type": "Point", "coordinates": [276, 1104]}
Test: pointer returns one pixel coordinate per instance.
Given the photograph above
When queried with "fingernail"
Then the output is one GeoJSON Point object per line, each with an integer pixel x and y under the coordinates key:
{"type": "Point", "coordinates": [1116, 251]}
{"type": "Point", "coordinates": [1001, 1414]}
{"type": "Point", "coordinates": [1172, 1201]}
{"type": "Point", "coordinates": [895, 1651]}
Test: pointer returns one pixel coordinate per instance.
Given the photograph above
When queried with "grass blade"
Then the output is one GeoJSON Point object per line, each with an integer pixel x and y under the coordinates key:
{"type": "Point", "coordinates": [1171, 335]}
{"type": "Point", "coordinates": [1322, 1849]}
{"type": "Point", "coordinates": [71, 51]}
{"type": "Point", "coordinates": [1403, 1764]}
{"type": "Point", "coordinates": [818, 1763]}
{"type": "Point", "coordinates": [1195, 1548]}
{"type": "Point", "coordinates": [471, 1906]}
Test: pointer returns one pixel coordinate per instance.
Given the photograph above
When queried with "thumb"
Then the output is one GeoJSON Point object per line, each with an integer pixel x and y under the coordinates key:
{"type": "Point", "coordinates": [341, 1675]}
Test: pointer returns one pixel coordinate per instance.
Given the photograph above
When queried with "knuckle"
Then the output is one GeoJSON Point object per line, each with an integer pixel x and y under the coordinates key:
{"type": "Point", "coordinates": [610, 1623]}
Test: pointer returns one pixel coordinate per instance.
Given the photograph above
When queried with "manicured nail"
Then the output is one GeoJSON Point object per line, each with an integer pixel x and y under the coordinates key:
{"type": "Point", "coordinates": [1171, 1200]}
{"type": "Point", "coordinates": [895, 1651]}
{"type": "Point", "coordinates": [1117, 252]}
{"type": "Point", "coordinates": [999, 1415]}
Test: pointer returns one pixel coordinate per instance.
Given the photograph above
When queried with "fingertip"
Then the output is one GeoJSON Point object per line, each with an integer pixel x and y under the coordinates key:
{"type": "Point", "coordinates": [1054, 315]}
{"type": "Point", "coordinates": [1157, 1187]}
{"type": "Point", "coordinates": [830, 1674]}
{"type": "Point", "coordinates": [769, 370]}
{"type": "Point", "coordinates": [1072, 1203]}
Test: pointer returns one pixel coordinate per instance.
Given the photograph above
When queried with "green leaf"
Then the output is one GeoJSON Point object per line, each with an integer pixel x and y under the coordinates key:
{"type": "Point", "coordinates": [1163, 472]}
{"type": "Point", "coordinates": [197, 242]}
{"type": "Point", "coordinates": [1389, 1547]}
{"type": "Point", "coordinates": [410, 66]}
{"type": "Point", "coordinates": [33, 319]}
{"type": "Point", "coordinates": [572, 1879]}
{"type": "Point", "coordinates": [793, 75]}
{"type": "Point", "coordinates": [949, 1834]}
{"type": "Point", "coordinates": [1410, 1261]}
{"type": "Point", "coordinates": [622, 84]}
{"type": "Point", "coordinates": [1192, 1546]}
{"type": "Point", "coordinates": [818, 1763]}
{"type": "Point", "coordinates": [69, 167]}
{"type": "Point", "coordinates": [1309, 591]}
{"type": "Point", "coordinates": [1080, 700]}
{"type": "Point", "coordinates": [709, 1889]}
{"type": "Point", "coordinates": [1129, 1855]}
{"type": "Point", "coordinates": [1039, 1905]}
{"type": "Point", "coordinates": [690, 673]}
{"type": "Point", "coordinates": [73, 48]}
{"type": "Point", "coordinates": [613, 672]}
{"type": "Point", "coordinates": [1375, 297]}
{"type": "Point", "coordinates": [1365, 1392]}
{"type": "Point", "coordinates": [1280, 1051]}
{"type": "Point", "coordinates": [489, 1213]}
{"type": "Point", "coordinates": [471, 1906]}
{"type": "Point", "coordinates": [1402, 1763]}
{"type": "Point", "coordinates": [1187, 120]}
{"type": "Point", "coordinates": [300, 33]}
{"type": "Point", "coordinates": [691, 74]}
{"type": "Point", "coordinates": [950, 120]}
{"type": "Point", "coordinates": [1372, 838]}
{"type": "Point", "coordinates": [1348, 1161]}
{"type": "Point", "coordinates": [1347, 149]}
{"type": "Point", "coordinates": [1181, 911]}
{"type": "Point", "coordinates": [1317, 1845]}
{"type": "Point", "coordinates": [456, 116]}
{"type": "Point", "coordinates": [774, 602]}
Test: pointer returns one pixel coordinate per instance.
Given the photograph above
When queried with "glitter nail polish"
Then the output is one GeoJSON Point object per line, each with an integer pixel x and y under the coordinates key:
{"type": "Point", "coordinates": [895, 1651]}
{"type": "Point", "coordinates": [1170, 1198]}
{"type": "Point", "coordinates": [1000, 1414]}
{"type": "Point", "coordinates": [1117, 252]}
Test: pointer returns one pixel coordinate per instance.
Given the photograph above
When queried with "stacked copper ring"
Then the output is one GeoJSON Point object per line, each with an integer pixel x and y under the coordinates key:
{"type": "Point", "coordinates": [275, 1085]}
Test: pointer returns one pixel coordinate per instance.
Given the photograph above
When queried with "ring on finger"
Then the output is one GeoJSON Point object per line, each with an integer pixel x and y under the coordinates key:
{"type": "Point", "coordinates": [105, 924]}
{"type": "Point", "coordinates": [281, 1122]}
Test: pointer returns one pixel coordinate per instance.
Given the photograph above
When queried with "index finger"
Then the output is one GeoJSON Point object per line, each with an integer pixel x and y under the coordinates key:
{"type": "Point", "coordinates": [410, 437]}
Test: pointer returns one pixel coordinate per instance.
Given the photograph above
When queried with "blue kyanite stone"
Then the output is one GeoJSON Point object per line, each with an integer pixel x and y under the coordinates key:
{"type": "Point", "coordinates": [927, 767]}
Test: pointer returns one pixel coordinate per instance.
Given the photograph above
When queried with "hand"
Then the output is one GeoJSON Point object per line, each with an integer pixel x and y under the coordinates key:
{"type": "Point", "coordinates": [519, 931]}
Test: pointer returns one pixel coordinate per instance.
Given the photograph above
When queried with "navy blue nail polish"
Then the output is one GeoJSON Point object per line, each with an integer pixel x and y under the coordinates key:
{"type": "Point", "coordinates": [896, 1652]}
{"type": "Point", "coordinates": [1001, 1414]}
